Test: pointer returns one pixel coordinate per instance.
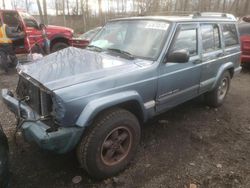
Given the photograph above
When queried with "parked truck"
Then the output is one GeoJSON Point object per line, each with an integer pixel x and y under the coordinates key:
{"type": "Point", "coordinates": [60, 37]}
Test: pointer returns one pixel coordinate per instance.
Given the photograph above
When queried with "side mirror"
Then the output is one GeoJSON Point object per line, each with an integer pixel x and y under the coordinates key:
{"type": "Point", "coordinates": [42, 26]}
{"type": "Point", "coordinates": [181, 56]}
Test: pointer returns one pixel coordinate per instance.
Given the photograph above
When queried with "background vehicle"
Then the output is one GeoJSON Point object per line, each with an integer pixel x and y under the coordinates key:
{"type": "Point", "coordinates": [96, 98]}
{"type": "Point", "coordinates": [83, 40]}
{"type": "Point", "coordinates": [244, 30]}
{"type": "Point", "coordinates": [4, 149]}
{"type": "Point", "coordinates": [60, 37]}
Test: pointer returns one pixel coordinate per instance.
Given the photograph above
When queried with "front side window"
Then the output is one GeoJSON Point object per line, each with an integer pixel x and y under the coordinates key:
{"type": "Point", "coordinates": [210, 37]}
{"type": "Point", "coordinates": [141, 38]}
{"type": "Point", "coordinates": [230, 35]}
{"type": "Point", "coordinates": [186, 40]}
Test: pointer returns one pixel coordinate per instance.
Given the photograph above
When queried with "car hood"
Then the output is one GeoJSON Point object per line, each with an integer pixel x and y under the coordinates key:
{"type": "Point", "coordinates": [72, 66]}
{"type": "Point", "coordinates": [59, 28]}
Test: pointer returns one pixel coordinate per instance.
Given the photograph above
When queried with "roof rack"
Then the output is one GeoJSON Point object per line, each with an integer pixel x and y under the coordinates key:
{"type": "Point", "coordinates": [214, 15]}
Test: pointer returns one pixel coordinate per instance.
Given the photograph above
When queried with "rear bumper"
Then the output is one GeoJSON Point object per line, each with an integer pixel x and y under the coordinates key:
{"type": "Point", "coordinates": [237, 70]}
{"type": "Point", "coordinates": [34, 130]}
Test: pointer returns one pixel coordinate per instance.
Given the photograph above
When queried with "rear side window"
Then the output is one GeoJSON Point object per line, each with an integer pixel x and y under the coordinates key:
{"type": "Point", "coordinates": [186, 40]}
{"type": "Point", "coordinates": [210, 37]}
{"type": "Point", "coordinates": [230, 35]}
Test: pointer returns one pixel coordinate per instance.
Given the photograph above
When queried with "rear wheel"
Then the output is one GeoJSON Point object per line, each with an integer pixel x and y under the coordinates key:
{"type": "Point", "coordinates": [59, 46]}
{"type": "Point", "coordinates": [216, 97]}
{"type": "Point", "coordinates": [110, 143]}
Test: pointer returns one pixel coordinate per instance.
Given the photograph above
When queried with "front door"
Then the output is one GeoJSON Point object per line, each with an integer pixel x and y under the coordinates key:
{"type": "Point", "coordinates": [34, 34]}
{"type": "Point", "coordinates": [179, 82]}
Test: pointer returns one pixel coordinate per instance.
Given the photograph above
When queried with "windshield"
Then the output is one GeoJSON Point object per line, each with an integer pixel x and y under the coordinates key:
{"type": "Point", "coordinates": [29, 20]}
{"type": "Point", "coordinates": [140, 38]}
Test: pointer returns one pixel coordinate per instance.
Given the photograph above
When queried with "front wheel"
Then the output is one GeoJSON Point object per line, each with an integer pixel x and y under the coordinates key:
{"type": "Point", "coordinates": [110, 143]}
{"type": "Point", "coordinates": [216, 97]}
{"type": "Point", "coordinates": [59, 46]}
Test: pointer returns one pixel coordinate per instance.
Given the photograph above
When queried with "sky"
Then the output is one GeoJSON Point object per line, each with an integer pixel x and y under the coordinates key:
{"type": "Point", "coordinates": [93, 4]}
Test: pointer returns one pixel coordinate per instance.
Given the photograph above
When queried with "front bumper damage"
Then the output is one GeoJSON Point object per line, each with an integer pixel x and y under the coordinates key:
{"type": "Point", "coordinates": [62, 140]}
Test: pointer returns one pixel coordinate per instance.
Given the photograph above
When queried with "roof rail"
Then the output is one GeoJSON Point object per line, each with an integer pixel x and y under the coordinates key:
{"type": "Point", "coordinates": [214, 15]}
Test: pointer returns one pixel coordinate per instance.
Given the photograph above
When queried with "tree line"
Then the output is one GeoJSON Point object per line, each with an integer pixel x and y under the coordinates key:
{"type": "Point", "coordinates": [119, 8]}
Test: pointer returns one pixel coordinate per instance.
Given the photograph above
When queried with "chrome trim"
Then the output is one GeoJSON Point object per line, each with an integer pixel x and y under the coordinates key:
{"type": "Point", "coordinates": [149, 104]}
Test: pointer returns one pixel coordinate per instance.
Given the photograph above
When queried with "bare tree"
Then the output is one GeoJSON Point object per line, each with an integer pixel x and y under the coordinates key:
{"type": "Point", "coordinates": [45, 12]}
{"type": "Point", "coordinates": [67, 3]}
{"type": "Point", "coordinates": [77, 7]}
{"type": "Point", "coordinates": [14, 4]}
{"type": "Point", "coordinates": [40, 11]}
{"type": "Point", "coordinates": [63, 9]}
{"type": "Point", "coordinates": [3, 4]}
{"type": "Point", "coordinates": [246, 7]}
{"type": "Point", "coordinates": [224, 5]}
{"type": "Point", "coordinates": [100, 7]}
{"type": "Point", "coordinates": [56, 7]}
{"type": "Point", "coordinates": [27, 5]}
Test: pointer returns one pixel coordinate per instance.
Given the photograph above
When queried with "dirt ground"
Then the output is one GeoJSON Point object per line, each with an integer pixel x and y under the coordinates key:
{"type": "Point", "coordinates": [191, 144]}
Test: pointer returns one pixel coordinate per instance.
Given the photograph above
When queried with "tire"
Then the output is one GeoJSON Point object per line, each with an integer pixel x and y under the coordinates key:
{"type": "Point", "coordinates": [4, 164]}
{"type": "Point", "coordinates": [59, 46]}
{"type": "Point", "coordinates": [110, 143]}
{"type": "Point", "coordinates": [216, 97]}
{"type": "Point", "coordinates": [4, 61]}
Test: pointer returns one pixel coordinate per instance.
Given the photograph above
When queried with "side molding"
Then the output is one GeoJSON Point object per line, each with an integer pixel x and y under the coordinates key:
{"type": "Point", "coordinates": [97, 105]}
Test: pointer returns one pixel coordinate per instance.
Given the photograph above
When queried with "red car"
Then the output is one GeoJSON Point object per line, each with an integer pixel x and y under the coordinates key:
{"type": "Point", "coordinates": [84, 39]}
{"type": "Point", "coordinates": [244, 29]}
{"type": "Point", "coordinates": [60, 37]}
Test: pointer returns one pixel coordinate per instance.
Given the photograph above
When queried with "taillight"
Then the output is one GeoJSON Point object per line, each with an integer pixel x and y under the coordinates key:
{"type": "Point", "coordinates": [245, 44]}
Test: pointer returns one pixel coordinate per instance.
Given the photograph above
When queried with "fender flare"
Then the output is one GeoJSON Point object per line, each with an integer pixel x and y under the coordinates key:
{"type": "Point", "coordinates": [222, 69]}
{"type": "Point", "coordinates": [100, 104]}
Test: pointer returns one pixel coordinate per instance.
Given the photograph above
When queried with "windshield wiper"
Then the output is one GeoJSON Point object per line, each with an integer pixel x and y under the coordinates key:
{"type": "Point", "coordinates": [122, 52]}
{"type": "Point", "coordinates": [96, 48]}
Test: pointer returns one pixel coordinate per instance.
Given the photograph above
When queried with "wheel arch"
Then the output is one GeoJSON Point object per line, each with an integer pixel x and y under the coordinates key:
{"type": "Point", "coordinates": [130, 101]}
{"type": "Point", "coordinates": [225, 67]}
{"type": "Point", "coordinates": [58, 38]}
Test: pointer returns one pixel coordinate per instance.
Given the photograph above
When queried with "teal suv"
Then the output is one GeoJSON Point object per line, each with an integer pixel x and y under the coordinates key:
{"type": "Point", "coordinates": [95, 100]}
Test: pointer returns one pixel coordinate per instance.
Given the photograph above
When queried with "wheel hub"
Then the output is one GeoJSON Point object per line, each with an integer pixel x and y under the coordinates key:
{"type": "Point", "coordinates": [223, 89]}
{"type": "Point", "coordinates": [116, 146]}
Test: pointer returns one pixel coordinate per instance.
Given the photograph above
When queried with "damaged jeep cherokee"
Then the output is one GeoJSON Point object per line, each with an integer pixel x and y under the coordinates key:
{"type": "Point", "coordinates": [95, 99]}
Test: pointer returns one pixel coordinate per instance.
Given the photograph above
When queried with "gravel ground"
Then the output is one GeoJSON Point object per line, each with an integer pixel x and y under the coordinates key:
{"type": "Point", "coordinates": [191, 144]}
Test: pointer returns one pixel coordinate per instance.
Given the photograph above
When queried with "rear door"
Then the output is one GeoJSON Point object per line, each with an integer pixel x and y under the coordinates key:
{"type": "Point", "coordinates": [212, 53]}
{"type": "Point", "coordinates": [220, 44]}
{"type": "Point", "coordinates": [179, 82]}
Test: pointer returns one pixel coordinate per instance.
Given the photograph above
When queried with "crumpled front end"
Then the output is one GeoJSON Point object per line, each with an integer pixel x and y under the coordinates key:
{"type": "Point", "coordinates": [39, 112]}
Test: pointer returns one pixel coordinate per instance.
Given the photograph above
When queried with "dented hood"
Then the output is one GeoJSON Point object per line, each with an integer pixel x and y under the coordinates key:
{"type": "Point", "coordinates": [72, 65]}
